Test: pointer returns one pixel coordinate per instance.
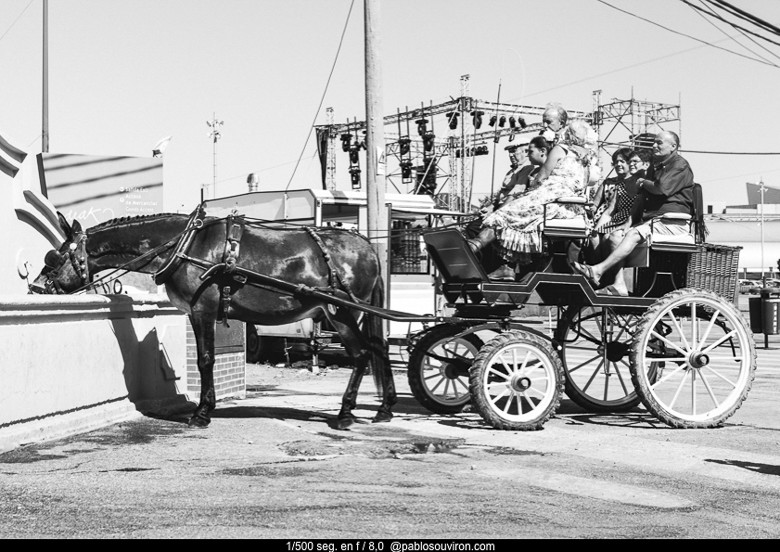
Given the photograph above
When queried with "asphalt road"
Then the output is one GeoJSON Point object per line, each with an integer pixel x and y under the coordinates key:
{"type": "Point", "coordinates": [273, 466]}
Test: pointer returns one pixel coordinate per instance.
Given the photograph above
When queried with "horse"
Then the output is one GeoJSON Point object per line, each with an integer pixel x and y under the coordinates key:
{"type": "Point", "coordinates": [216, 269]}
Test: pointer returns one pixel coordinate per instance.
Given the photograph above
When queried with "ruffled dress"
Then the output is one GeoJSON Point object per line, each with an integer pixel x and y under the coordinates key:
{"type": "Point", "coordinates": [516, 223]}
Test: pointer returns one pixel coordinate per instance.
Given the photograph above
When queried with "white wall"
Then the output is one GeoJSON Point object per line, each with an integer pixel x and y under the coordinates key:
{"type": "Point", "coordinates": [74, 363]}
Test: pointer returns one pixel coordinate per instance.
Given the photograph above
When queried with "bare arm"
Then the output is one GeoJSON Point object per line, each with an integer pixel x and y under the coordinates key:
{"type": "Point", "coordinates": [555, 155]}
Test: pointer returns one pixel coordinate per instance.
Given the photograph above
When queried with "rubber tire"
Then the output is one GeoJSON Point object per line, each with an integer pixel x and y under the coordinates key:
{"type": "Point", "coordinates": [648, 382]}
{"type": "Point", "coordinates": [416, 368]}
{"type": "Point", "coordinates": [593, 403]}
{"type": "Point", "coordinates": [480, 379]}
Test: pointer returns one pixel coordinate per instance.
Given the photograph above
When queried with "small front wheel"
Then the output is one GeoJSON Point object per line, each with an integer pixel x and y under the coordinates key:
{"type": "Point", "coordinates": [516, 381]}
{"type": "Point", "coordinates": [438, 368]}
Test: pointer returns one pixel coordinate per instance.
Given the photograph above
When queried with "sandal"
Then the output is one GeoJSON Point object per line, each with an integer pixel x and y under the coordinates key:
{"type": "Point", "coordinates": [585, 270]}
{"type": "Point", "coordinates": [612, 291]}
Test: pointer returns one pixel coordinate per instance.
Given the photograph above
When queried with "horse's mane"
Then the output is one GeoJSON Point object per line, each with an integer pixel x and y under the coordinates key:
{"type": "Point", "coordinates": [132, 220]}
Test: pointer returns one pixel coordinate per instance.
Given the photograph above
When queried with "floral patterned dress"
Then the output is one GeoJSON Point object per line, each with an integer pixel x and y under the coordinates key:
{"type": "Point", "coordinates": [516, 224]}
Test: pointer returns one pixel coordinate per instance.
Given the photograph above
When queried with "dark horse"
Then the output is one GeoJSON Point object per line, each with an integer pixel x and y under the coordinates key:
{"type": "Point", "coordinates": [225, 268]}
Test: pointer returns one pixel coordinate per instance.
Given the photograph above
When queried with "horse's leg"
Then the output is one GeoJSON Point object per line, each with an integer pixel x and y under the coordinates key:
{"type": "Point", "coordinates": [373, 335]}
{"type": "Point", "coordinates": [361, 346]}
{"type": "Point", "coordinates": [346, 326]}
{"type": "Point", "coordinates": [204, 327]}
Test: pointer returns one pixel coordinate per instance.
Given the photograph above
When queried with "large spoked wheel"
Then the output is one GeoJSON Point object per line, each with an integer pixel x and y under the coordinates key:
{"type": "Point", "coordinates": [438, 368]}
{"type": "Point", "coordinates": [693, 359]}
{"type": "Point", "coordinates": [595, 346]}
{"type": "Point", "coordinates": [516, 381]}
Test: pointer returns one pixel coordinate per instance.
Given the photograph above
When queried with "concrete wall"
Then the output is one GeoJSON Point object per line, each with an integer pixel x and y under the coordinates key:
{"type": "Point", "coordinates": [71, 364]}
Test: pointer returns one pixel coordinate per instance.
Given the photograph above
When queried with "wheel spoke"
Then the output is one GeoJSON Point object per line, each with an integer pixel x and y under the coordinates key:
{"type": "Point", "coordinates": [709, 389]}
{"type": "Point", "coordinates": [672, 345]}
{"type": "Point", "coordinates": [593, 375]}
{"type": "Point", "coordinates": [709, 327]}
{"type": "Point", "coordinates": [719, 341]}
{"type": "Point", "coordinates": [620, 378]}
{"type": "Point", "coordinates": [572, 370]}
{"type": "Point", "coordinates": [679, 389]}
{"type": "Point", "coordinates": [667, 376]}
{"type": "Point", "coordinates": [679, 330]}
{"type": "Point", "coordinates": [717, 374]}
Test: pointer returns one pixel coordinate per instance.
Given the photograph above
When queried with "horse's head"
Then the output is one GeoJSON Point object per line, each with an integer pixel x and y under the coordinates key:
{"type": "Point", "coordinates": [65, 269]}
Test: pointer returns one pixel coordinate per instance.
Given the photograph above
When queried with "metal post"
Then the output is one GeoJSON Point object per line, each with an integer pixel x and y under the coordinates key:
{"type": "Point", "coordinates": [215, 135]}
{"type": "Point", "coordinates": [45, 122]}
{"type": "Point", "coordinates": [761, 189]}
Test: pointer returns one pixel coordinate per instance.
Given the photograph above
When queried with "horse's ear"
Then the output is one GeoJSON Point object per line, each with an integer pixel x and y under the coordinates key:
{"type": "Point", "coordinates": [65, 226]}
{"type": "Point", "coordinates": [76, 227]}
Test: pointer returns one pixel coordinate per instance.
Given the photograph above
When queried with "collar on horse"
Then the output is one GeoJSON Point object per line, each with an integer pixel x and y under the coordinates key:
{"type": "Point", "coordinates": [194, 224]}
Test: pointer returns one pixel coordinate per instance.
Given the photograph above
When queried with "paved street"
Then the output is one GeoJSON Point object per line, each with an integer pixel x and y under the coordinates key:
{"type": "Point", "coordinates": [273, 466]}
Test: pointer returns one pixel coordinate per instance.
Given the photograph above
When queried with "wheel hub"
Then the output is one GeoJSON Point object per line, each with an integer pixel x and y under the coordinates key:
{"type": "Point", "coordinates": [520, 383]}
{"type": "Point", "coordinates": [698, 360]}
{"type": "Point", "coordinates": [450, 371]}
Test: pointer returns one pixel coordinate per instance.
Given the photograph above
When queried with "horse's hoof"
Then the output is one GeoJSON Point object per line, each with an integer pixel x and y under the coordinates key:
{"type": "Point", "coordinates": [198, 422]}
{"type": "Point", "coordinates": [345, 423]}
{"type": "Point", "coordinates": [382, 417]}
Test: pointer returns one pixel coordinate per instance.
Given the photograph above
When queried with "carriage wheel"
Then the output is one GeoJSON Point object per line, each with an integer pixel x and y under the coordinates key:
{"type": "Point", "coordinates": [709, 359]}
{"type": "Point", "coordinates": [595, 348]}
{"type": "Point", "coordinates": [516, 381]}
{"type": "Point", "coordinates": [438, 368]}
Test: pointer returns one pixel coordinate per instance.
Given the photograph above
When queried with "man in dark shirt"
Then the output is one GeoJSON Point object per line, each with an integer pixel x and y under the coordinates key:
{"type": "Point", "coordinates": [667, 188]}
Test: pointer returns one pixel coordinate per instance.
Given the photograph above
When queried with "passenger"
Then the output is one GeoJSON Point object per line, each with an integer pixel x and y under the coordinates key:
{"type": "Point", "coordinates": [639, 162]}
{"type": "Point", "coordinates": [516, 183]}
{"type": "Point", "coordinates": [617, 208]}
{"type": "Point", "coordinates": [515, 226]}
{"type": "Point", "coordinates": [667, 188]}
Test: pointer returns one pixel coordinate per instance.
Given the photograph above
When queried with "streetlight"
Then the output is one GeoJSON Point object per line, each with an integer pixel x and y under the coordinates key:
{"type": "Point", "coordinates": [215, 135]}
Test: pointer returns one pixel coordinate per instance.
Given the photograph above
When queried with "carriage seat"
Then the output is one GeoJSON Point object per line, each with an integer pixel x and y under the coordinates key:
{"type": "Point", "coordinates": [682, 243]}
{"type": "Point", "coordinates": [572, 228]}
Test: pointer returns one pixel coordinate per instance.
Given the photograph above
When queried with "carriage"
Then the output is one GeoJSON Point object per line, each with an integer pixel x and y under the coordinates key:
{"type": "Point", "coordinates": [677, 344]}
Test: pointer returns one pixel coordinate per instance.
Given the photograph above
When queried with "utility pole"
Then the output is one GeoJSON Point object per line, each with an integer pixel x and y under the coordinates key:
{"type": "Point", "coordinates": [378, 225]}
{"type": "Point", "coordinates": [761, 189]}
{"type": "Point", "coordinates": [45, 122]}
{"type": "Point", "coordinates": [215, 135]}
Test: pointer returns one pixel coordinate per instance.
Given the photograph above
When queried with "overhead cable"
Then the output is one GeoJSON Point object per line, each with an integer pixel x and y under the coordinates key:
{"type": "Point", "coordinates": [687, 35]}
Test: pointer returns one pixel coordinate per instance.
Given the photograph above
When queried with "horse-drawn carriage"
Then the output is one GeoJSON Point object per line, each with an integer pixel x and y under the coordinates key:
{"type": "Point", "coordinates": [677, 344]}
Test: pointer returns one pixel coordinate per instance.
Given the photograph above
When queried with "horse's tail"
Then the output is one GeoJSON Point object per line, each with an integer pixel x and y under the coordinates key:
{"type": "Point", "coordinates": [379, 358]}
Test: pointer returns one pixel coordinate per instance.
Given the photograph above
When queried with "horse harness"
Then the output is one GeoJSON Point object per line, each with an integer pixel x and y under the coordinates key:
{"type": "Point", "coordinates": [229, 276]}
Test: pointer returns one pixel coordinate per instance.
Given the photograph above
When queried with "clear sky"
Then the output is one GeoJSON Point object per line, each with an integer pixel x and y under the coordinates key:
{"type": "Point", "coordinates": [124, 74]}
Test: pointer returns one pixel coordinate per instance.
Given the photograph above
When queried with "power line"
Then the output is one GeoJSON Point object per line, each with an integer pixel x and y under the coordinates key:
{"type": "Point", "coordinates": [737, 27]}
{"type": "Point", "coordinates": [732, 152]}
{"type": "Point", "coordinates": [687, 35]}
{"type": "Point", "coordinates": [747, 16]}
{"type": "Point", "coordinates": [15, 20]}
{"type": "Point", "coordinates": [324, 92]}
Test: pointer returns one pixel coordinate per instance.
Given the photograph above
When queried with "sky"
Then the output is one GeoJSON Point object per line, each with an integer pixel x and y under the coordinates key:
{"type": "Point", "coordinates": [125, 74]}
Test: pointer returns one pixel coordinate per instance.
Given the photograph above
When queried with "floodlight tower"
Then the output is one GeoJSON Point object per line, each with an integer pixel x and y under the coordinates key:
{"type": "Point", "coordinates": [215, 135]}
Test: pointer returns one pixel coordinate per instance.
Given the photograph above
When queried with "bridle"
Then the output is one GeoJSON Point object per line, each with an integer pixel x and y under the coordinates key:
{"type": "Point", "coordinates": [77, 255]}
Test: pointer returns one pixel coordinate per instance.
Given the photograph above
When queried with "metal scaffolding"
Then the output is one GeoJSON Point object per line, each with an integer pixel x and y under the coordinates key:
{"type": "Point", "coordinates": [433, 149]}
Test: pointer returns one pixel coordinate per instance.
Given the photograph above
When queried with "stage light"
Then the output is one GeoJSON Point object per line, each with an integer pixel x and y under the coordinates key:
{"type": "Point", "coordinates": [502, 121]}
{"type": "Point", "coordinates": [512, 122]}
{"type": "Point", "coordinates": [452, 117]}
{"type": "Point", "coordinates": [522, 122]}
{"type": "Point", "coordinates": [345, 141]}
{"type": "Point", "coordinates": [477, 116]}
{"type": "Point", "coordinates": [422, 125]}
{"type": "Point", "coordinates": [493, 120]}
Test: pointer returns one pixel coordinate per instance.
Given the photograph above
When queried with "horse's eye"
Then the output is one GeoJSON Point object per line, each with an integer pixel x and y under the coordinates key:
{"type": "Point", "coordinates": [52, 259]}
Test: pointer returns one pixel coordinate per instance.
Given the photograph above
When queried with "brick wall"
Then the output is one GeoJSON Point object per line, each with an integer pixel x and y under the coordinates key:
{"type": "Point", "coordinates": [229, 364]}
